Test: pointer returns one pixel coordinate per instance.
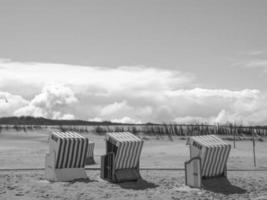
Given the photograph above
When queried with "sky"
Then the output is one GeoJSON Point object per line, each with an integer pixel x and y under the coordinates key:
{"type": "Point", "coordinates": [135, 61]}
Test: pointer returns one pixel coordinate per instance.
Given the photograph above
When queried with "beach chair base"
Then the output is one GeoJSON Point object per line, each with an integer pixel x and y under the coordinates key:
{"type": "Point", "coordinates": [65, 174]}
{"type": "Point", "coordinates": [116, 176]}
{"type": "Point", "coordinates": [107, 169]}
{"type": "Point", "coordinates": [193, 177]}
{"type": "Point", "coordinates": [124, 175]}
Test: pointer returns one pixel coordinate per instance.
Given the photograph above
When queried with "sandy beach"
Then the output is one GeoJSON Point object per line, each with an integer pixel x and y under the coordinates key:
{"type": "Point", "coordinates": [19, 149]}
{"type": "Point", "coordinates": [155, 185]}
{"type": "Point", "coordinates": [22, 150]}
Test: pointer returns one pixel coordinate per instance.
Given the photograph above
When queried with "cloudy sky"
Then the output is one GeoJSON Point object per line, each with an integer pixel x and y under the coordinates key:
{"type": "Point", "coordinates": [135, 61]}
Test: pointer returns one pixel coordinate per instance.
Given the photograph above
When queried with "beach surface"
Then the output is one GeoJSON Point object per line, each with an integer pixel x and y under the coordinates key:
{"type": "Point", "coordinates": [26, 150]}
{"type": "Point", "coordinates": [19, 149]}
{"type": "Point", "coordinates": [155, 184]}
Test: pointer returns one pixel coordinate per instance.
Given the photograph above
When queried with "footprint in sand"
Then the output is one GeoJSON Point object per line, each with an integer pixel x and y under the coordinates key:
{"type": "Point", "coordinates": [10, 187]}
{"type": "Point", "coordinates": [19, 194]}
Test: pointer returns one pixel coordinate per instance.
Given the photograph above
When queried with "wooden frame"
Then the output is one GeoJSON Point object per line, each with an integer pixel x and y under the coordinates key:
{"type": "Point", "coordinates": [193, 175]}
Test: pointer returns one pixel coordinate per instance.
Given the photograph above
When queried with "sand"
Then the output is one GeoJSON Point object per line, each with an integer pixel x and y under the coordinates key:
{"type": "Point", "coordinates": [27, 150]}
{"type": "Point", "coordinates": [156, 184]}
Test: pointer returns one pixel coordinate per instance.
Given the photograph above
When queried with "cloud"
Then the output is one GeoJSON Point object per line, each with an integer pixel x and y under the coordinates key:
{"type": "Point", "coordinates": [191, 106]}
{"type": "Point", "coordinates": [256, 63]}
{"type": "Point", "coordinates": [252, 60]}
{"type": "Point", "coordinates": [9, 103]}
{"type": "Point", "coordinates": [256, 59]}
{"type": "Point", "coordinates": [68, 116]}
{"type": "Point", "coordinates": [127, 94]}
{"type": "Point", "coordinates": [193, 120]}
{"type": "Point", "coordinates": [115, 109]}
{"type": "Point", "coordinates": [251, 53]}
{"type": "Point", "coordinates": [256, 53]}
{"type": "Point", "coordinates": [49, 103]}
{"type": "Point", "coordinates": [126, 120]}
{"type": "Point", "coordinates": [249, 109]}
{"type": "Point", "coordinates": [98, 81]}
{"type": "Point", "coordinates": [206, 93]}
{"type": "Point", "coordinates": [96, 119]}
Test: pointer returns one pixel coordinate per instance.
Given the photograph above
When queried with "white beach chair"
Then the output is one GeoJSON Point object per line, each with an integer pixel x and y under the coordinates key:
{"type": "Point", "coordinates": [121, 162]}
{"type": "Point", "coordinates": [208, 158]}
{"type": "Point", "coordinates": [66, 158]}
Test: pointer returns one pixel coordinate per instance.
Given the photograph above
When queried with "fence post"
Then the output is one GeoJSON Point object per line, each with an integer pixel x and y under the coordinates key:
{"type": "Point", "coordinates": [253, 141]}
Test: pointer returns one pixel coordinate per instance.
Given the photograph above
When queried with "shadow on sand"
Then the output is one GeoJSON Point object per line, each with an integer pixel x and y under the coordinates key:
{"type": "Point", "coordinates": [82, 180]}
{"type": "Point", "coordinates": [221, 185]}
{"type": "Point", "coordinates": [140, 184]}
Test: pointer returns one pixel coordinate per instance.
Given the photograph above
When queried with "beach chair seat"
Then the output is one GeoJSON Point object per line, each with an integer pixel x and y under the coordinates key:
{"type": "Point", "coordinates": [66, 158]}
{"type": "Point", "coordinates": [90, 154]}
{"type": "Point", "coordinates": [208, 159]}
{"type": "Point", "coordinates": [121, 162]}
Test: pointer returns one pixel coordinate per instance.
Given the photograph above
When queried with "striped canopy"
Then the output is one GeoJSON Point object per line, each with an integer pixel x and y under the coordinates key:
{"type": "Point", "coordinates": [71, 149]}
{"type": "Point", "coordinates": [213, 152]}
{"type": "Point", "coordinates": [129, 149]}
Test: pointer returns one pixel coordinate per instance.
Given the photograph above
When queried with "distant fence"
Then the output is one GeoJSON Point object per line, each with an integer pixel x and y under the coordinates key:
{"type": "Point", "coordinates": [142, 168]}
{"type": "Point", "coordinates": [153, 129]}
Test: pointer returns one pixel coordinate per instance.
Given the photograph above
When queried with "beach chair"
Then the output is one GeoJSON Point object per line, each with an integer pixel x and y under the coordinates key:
{"type": "Point", "coordinates": [66, 158]}
{"type": "Point", "coordinates": [208, 159]}
{"type": "Point", "coordinates": [121, 162]}
{"type": "Point", "coordinates": [90, 154]}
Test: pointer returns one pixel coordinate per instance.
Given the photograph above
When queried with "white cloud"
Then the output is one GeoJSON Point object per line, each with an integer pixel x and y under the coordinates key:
{"type": "Point", "coordinates": [122, 112]}
{"type": "Point", "coordinates": [256, 63]}
{"type": "Point", "coordinates": [99, 81]}
{"type": "Point", "coordinates": [251, 53]}
{"type": "Point", "coordinates": [254, 60]}
{"type": "Point", "coordinates": [193, 120]}
{"type": "Point", "coordinates": [256, 53]}
{"type": "Point", "coordinates": [246, 110]}
{"type": "Point", "coordinates": [126, 120]}
{"type": "Point", "coordinates": [123, 94]}
{"type": "Point", "coordinates": [9, 103]}
{"type": "Point", "coordinates": [49, 102]}
{"type": "Point", "coordinates": [96, 119]}
{"type": "Point", "coordinates": [116, 108]}
{"type": "Point", "coordinates": [68, 116]}
{"type": "Point", "coordinates": [205, 93]}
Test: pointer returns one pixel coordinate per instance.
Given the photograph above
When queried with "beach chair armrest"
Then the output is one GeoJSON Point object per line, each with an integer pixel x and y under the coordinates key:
{"type": "Point", "coordinates": [107, 166]}
{"type": "Point", "coordinates": [193, 172]}
{"type": "Point", "coordinates": [50, 160]}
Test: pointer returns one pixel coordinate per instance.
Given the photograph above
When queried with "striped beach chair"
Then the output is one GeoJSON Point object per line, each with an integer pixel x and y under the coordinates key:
{"type": "Point", "coordinates": [121, 162]}
{"type": "Point", "coordinates": [208, 158]}
{"type": "Point", "coordinates": [90, 154]}
{"type": "Point", "coordinates": [66, 158]}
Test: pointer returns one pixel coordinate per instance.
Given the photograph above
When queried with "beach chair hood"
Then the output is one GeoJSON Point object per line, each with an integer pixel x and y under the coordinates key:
{"type": "Point", "coordinates": [71, 149]}
{"type": "Point", "coordinates": [213, 152]}
{"type": "Point", "coordinates": [129, 149]}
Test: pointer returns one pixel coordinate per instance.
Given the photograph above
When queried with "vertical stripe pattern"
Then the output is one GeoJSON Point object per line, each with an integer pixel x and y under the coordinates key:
{"type": "Point", "coordinates": [214, 153]}
{"type": "Point", "coordinates": [71, 149]}
{"type": "Point", "coordinates": [129, 149]}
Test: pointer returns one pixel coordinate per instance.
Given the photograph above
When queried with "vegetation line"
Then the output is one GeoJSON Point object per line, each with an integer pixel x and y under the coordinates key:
{"type": "Point", "coordinates": [145, 169]}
